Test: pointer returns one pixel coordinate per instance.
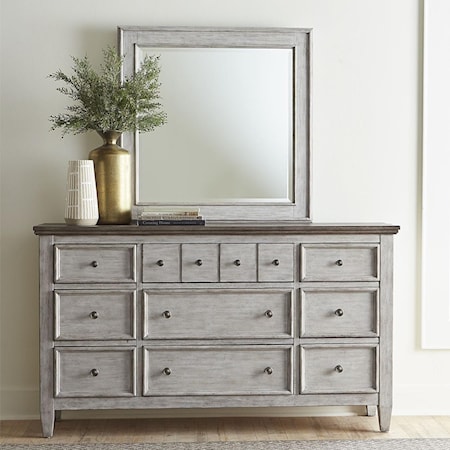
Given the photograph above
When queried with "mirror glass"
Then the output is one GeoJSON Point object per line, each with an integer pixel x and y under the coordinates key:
{"type": "Point", "coordinates": [229, 130]}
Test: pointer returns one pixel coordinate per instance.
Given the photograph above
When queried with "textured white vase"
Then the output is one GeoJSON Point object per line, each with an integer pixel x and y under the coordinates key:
{"type": "Point", "coordinates": [81, 194]}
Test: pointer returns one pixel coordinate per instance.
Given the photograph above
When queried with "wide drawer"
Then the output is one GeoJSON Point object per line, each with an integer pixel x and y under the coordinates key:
{"type": "Point", "coordinates": [226, 370]}
{"type": "Point", "coordinates": [339, 262]}
{"type": "Point", "coordinates": [95, 263]}
{"type": "Point", "coordinates": [339, 311]}
{"type": "Point", "coordinates": [339, 368]}
{"type": "Point", "coordinates": [234, 313]}
{"type": "Point", "coordinates": [95, 372]}
{"type": "Point", "coordinates": [95, 315]}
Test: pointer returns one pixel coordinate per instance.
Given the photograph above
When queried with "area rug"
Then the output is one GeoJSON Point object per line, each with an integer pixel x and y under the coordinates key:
{"type": "Point", "coordinates": [373, 444]}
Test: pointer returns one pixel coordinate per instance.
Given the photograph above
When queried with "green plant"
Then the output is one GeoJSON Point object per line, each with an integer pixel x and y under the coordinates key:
{"type": "Point", "coordinates": [103, 102]}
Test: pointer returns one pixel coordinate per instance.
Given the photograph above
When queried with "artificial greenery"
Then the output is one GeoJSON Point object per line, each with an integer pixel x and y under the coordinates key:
{"type": "Point", "coordinates": [104, 103]}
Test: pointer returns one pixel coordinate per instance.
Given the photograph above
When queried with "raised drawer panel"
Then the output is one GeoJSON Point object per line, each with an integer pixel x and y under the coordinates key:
{"type": "Point", "coordinates": [275, 262]}
{"type": "Point", "coordinates": [238, 262]}
{"type": "Point", "coordinates": [200, 263]}
{"type": "Point", "coordinates": [339, 262]}
{"type": "Point", "coordinates": [217, 314]}
{"type": "Point", "coordinates": [161, 263]}
{"type": "Point", "coordinates": [226, 370]}
{"type": "Point", "coordinates": [339, 368]}
{"type": "Point", "coordinates": [95, 372]}
{"type": "Point", "coordinates": [95, 315]}
{"type": "Point", "coordinates": [95, 263]}
{"type": "Point", "coordinates": [339, 312]}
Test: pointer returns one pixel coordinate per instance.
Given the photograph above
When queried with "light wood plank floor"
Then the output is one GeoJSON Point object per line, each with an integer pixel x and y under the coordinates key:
{"type": "Point", "coordinates": [224, 429]}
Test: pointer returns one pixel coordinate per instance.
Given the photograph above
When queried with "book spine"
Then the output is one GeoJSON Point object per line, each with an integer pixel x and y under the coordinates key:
{"type": "Point", "coordinates": [171, 222]}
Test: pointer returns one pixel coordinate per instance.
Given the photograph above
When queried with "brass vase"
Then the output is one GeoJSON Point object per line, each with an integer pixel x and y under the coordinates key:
{"type": "Point", "coordinates": [113, 177]}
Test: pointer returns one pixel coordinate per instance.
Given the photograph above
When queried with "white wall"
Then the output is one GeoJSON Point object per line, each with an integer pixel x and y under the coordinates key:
{"type": "Point", "coordinates": [366, 149]}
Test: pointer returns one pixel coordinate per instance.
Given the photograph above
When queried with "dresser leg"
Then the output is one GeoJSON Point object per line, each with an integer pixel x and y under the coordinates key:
{"type": "Point", "coordinates": [371, 410]}
{"type": "Point", "coordinates": [384, 417]}
{"type": "Point", "coordinates": [48, 422]}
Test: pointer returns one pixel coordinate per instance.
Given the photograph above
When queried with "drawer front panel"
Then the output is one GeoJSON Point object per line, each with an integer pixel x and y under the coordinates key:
{"type": "Point", "coordinates": [95, 315]}
{"type": "Point", "coordinates": [338, 312]}
{"type": "Point", "coordinates": [95, 372]}
{"type": "Point", "coordinates": [238, 262]}
{"type": "Point", "coordinates": [161, 263]}
{"type": "Point", "coordinates": [339, 369]}
{"type": "Point", "coordinates": [227, 370]}
{"type": "Point", "coordinates": [95, 264]}
{"type": "Point", "coordinates": [200, 263]}
{"type": "Point", "coordinates": [218, 314]}
{"type": "Point", "coordinates": [347, 262]}
{"type": "Point", "coordinates": [275, 262]}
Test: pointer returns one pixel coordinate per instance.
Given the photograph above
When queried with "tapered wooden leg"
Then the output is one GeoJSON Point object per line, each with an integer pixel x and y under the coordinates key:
{"type": "Point", "coordinates": [371, 410]}
{"type": "Point", "coordinates": [48, 422]}
{"type": "Point", "coordinates": [384, 417]}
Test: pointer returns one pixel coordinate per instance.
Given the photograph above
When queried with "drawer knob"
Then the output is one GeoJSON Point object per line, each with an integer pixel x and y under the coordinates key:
{"type": "Point", "coordinates": [93, 315]}
{"type": "Point", "coordinates": [339, 262]}
{"type": "Point", "coordinates": [339, 369]}
{"type": "Point", "coordinates": [94, 372]}
{"type": "Point", "coordinates": [339, 312]}
{"type": "Point", "coordinates": [167, 314]}
{"type": "Point", "coordinates": [199, 262]}
{"type": "Point", "coordinates": [276, 262]}
{"type": "Point", "coordinates": [237, 262]}
{"type": "Point", "coordinates": [269, 314]}
{"type": "Point", "coordinates": [167, 371]}
{"type": "Point", "coordinates": [94, 264]}
{"type": "Point", "coordinates": [268, 370]}
{"type": "Point", "coordinates": [160, 262]}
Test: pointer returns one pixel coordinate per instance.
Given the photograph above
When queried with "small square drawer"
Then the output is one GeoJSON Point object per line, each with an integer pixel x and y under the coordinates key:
{"type": "Point", "coordinates": [200, 263]}
{"type": "Point", "coordinates": [161, 263]}
{"type": "Point", "coordinates": [95, 315]}
{"type": "Point", "coordinates": [237, 262]}
{"type": "Point", "coordinates": [95, 372]}
{"type": "Point", "coordinates": [339, 262]}
{"type": "Point", "coordinates": [95, 264]}
{"type": "Point", "coordinates": [275, 262]}
{"type": "Point", "coordinates": [339, 311]}
{"type": "Point", "coordinates": [339, 368]}
{"type": "Point", "coordinates": [214, 370]}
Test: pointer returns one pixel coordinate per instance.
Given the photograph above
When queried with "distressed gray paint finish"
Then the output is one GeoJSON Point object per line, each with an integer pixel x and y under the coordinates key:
{"type": "Point", "coordinates": [161, 263]}
{"type": "Point", "coordinates": [275, 262]}
{"type": "Point", "coordinates": [238, 262]}
{"type": "Point", "coordinates": [199, 263]}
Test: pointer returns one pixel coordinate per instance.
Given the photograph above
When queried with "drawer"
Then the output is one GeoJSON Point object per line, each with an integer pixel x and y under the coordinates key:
{"type": "Point", "coordinates": [238, 262]}
{"type": "Point", "coordinates": [275, 262]}
{"type": "Point", "coordinates": [217, 314]}
{"type": "Point", "coordinates": [95, 263]}
{"type": "Point", "coordinates": [95, 315]}
{"type": "Point", "coordinates": [227, 370]}
{"type": "Point", "coordinates": [347, 262]}
{"type": "Point", "coordinates": [200, 262]}
{"type": "Point", "coordinates": [339, 368]}
{"type": "Point", "coordinates": [161, 263]}
{"type": "Point", "coordinates": [339, 311]}
{"type": "Point", "coordinates": [95, 372]}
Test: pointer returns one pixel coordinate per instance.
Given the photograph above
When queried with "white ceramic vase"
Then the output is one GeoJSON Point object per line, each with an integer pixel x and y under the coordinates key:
{"type": "Point", "coordinates": [81, 194]}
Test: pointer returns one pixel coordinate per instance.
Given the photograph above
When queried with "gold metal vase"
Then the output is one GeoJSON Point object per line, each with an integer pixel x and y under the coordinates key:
{"type": "Point", "coordinates": [113, 177]}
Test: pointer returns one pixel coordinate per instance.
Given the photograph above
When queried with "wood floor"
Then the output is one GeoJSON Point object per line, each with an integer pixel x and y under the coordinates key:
{"type": "Point", "coordinates": [224, 429]}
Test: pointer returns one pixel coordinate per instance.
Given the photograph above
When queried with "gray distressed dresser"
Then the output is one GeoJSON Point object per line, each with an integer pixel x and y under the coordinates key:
{"type": "Point", "coordinates": [222, 315]}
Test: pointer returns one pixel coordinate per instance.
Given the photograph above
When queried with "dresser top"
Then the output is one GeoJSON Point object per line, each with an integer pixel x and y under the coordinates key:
{"type": "Point", "coordinates": [212, 228]}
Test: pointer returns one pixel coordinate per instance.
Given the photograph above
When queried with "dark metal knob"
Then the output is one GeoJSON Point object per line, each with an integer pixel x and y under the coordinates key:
{"type": "Point", "coordinates": [93, 315]}
{"type": "Point", "coordinates": [167, 314]}
{"type": "Point", "coordinates": [160, 262]}
{"type": "Point", "coordinates": [339, 312]}
{"type": "Point", "coordinates": [268, 370]}
{"type": "Point", "coordinates": [339, 369]}
{"type": "Point", "coordinates": [276, 262]}
{"type": "Point", "coordinates": [94, 264]}
{"type": "Point", "coordinates": [167, 371]}
{"type": "Point", "coordinates": [339, 262]}
{"type": "Point", "coordinates": [94, 372]}
{"type": "Point", "coordinates": [268, 313]}
{"type": "Point", "coordinates": [237, 262]}
{"type": "Point", "coordinates": [199, 262]}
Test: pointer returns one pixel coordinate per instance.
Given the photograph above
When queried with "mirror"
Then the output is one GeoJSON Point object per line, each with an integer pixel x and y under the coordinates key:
{"type": "Point", "coordinates": [236, 143]}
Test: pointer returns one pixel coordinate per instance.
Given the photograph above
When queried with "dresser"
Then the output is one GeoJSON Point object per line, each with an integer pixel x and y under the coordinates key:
{"type": "Point", "coordinates": [223, 315]}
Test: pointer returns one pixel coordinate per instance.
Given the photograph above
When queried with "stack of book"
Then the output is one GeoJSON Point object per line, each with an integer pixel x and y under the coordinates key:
{"type": "Point", "coordinates": [158, 216]}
